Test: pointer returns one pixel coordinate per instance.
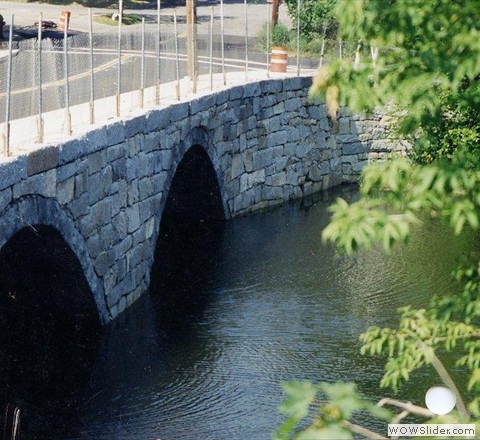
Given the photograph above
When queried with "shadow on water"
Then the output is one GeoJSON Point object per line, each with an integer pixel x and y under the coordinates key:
{"type": "Point", "coordinates": [49, 332]}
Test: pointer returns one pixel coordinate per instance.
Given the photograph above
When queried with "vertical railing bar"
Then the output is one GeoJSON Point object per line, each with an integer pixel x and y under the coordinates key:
{"type": "Point", "coordinates": [298, 37]}
{"type": "Point", "coordinates": [356, 62]}
{"type": "Point", "coordinates": [177, 62]}
{"type": "Point", "coordinates": [322, 50]}
{"type": "Point", "coordinates": [67, 85]}
{"type": "Point", "coordinates": [92, 75]}
{"type": "Point", "coordinates": [268, 39]}
{"type": "Point", "coordinates": [159, 81]}
{"type": "Point", "coordinates": [194, 50]}
{"type": "Point", "coordinates": [119, 67]}
{"type": "Point", "coordinates": [246, 40]}
{"type": "Point", "coordinates": [6, 147]}
{"type": "Point", "coordinates": [40, 97]}
{"type": "Point", "coordinates": [222, 36]}
{"type": "Point", "coordinates": [210, 60]}
{"type": "Point", "coordinates": [142, 66]}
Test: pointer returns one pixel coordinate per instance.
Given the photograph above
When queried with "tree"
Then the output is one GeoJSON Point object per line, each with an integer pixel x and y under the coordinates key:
{"type": "Point", "coordinates": [314, 15]}
{"type": "Point", "coordinates": [428, 70]}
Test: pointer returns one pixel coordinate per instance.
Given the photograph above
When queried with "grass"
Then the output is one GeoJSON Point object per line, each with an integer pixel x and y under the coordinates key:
{"type": "Point", "coordinates": [127, 19]}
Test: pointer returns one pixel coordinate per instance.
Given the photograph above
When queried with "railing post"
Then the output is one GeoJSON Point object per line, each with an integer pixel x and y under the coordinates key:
{"type": "Point", "coordinates": [159, 81]}
{"type": "Point", "coordinates": [92, 73]}
{"type": "Point", "coordinates": [119, 67]}
{"type": "Point", "coordinates": [322, 50]}
{"type": "Point", "coordinates": [177, 62]}
{"type": "Point", "coordinates": [210, 58]}
{"type": "Point", "coordinates": [246, 39]}
{"type": "Point", "coordinates": [298, 37]}
{"type": "Point", "coordinates": [268, 38]}
{"type": "Point", "coordinates": [142, 66]}
{"type": "Point", "coordinates": [6, 146]}
{"type": "Point", "coordinates": [68, 116]}
{"type": "Point", "coordinates": [40, 127]}
{"type": "Point", "coordinates": [222, 36]}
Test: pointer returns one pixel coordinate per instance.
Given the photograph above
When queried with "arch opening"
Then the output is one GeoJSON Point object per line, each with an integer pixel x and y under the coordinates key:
{"type": "Point", "coordinates": [189, 239]}
{"type": "Point", "coordinates": [49, 328]}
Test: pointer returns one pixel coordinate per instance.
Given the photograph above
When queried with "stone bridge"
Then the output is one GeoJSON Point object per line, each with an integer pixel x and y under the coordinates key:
{"type": "Point", "coordinates": [239, 149]}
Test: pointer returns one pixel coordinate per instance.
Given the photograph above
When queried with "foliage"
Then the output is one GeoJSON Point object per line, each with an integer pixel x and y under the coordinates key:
{"type": "Point", "coordinates": [431, 77]}
{"type": "Point", "coordinates": [455, 125]}
{"type": "Point", "coordinates": [279, 36]}
{"type": "Point", "coordinates": [342, 402]}
{"type": "Point", "coordinates": [314, 15]}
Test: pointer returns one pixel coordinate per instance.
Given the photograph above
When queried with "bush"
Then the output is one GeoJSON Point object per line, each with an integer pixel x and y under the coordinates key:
{"type": "Point", "coordinates": [314, 15]}
{"type": "Point", "coordinates": [280, 36]}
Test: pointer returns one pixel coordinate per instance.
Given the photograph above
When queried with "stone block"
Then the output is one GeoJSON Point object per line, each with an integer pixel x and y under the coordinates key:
{"type": "Point", "coordinates": [271, 86]}
{"type": "Point", "coordinates": [96, 161]}
{"type": "Point", "coordinates": [262, 159]}
{"type": "Point", "coordinates": [120, 224]}
{"type": "Point", "coordinates": [66, 171]}
{"type": "Point", "coordinates": [276, 139]}
{"type": "Point", "coordinates": [272, 193]}
{"type": "Point", "coordinates": [65, 191]}
{"type": "Point", "coordinates": [43, 184]}
{"type": "Point", "coordinates": [5, 198]}
{"type": "Point", "coordinates": [134, 126]}
{"type": "Point", "coordinates": [146, 187]}
{"type": "Point", "coordinates": [115, 133]}
{"type": "Point", "coordinates": [279, 179]}
{"type": "Point", "coordinates": [133, 218]}
{"type": "Point", "coordinates": [102, 264]}
{"type": "Point", "coordinates": [12, 171]}
{"type": "Point", "coordinates": [354, 148]}
{"type": "Point", "coordinates": [99, 185]}
{"type": "Point", "coordinates": [178, 112]}
{"type": "Point", "coordinates": [279, 108]}
{"type": "Point", "coordinates": [156, 120]}
{"type": "Point", "coordinates": [236, 93]}
{"type": "Point", "coordinates": [95, 140]}
{"type": "Point", "coordinates": [293, 104]}
{"type": "Point", "coordinates": [78, 207]}
{"type": "Point", "coordinates": [251, 89]}
{"type": "Point", "coordinates": [344, 126]}
{"type": "Point", "coordinates": [119, 169]}
{"type": "Point", "coordinates": [43, 159]}
{"type": "Point", "coordinates": [162, 161]}
{"type": "Point", "coordinates": [72, 150]}
{"type": "Point", "coordinates": [237, 166]}
{"type": "Point", "coordinates": [203, 103]}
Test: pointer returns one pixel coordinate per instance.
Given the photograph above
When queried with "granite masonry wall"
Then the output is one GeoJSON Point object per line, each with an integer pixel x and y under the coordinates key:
{"type": "Point", "coordinates": [105, 191]}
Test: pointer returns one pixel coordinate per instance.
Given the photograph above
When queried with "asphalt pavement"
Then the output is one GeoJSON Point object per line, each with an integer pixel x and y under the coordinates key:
{"type": "Point", "coordinates": [26, 14]}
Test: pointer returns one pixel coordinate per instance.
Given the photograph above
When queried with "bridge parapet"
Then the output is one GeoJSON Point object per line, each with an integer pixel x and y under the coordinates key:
{"type": "Point", "coordinates": [105, 191]}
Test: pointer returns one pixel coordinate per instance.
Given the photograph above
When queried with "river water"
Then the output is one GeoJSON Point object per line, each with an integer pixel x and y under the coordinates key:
{"type": "Point", "coordinates": [262, 301]}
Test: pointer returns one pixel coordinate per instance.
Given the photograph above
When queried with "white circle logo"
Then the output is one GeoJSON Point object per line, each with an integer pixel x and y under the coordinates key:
{"type": "Point", "coordinates": [440, 399]}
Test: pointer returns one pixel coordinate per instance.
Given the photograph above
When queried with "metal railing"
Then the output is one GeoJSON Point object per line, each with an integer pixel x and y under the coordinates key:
{"type": "Point", "coordinates": [55, 86]}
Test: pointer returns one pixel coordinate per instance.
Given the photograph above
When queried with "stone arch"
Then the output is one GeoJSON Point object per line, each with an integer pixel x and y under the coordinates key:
{"type": "Point", "coordinates": [198, 136]}
{"type": "Point", "coordinates": [32, 210]}
{"type": "Point", "coordinates": [191, 220]}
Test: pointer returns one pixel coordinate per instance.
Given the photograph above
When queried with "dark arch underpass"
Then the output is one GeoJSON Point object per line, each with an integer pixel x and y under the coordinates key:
{"type": "Point", "coordinates": [189, 237]}
{"type": "Point", "coordinates": [49, 325]}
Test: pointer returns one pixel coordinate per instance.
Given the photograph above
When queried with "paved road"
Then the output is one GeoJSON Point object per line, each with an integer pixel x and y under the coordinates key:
{"type": "Point", "coordinates": [26, 14]}
{"type": "Point", "coordinates": [25, 98]}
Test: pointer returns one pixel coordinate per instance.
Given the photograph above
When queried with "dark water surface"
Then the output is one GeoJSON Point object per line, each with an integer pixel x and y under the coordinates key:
{"type": "Point", "coordinates": [243, 309]}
